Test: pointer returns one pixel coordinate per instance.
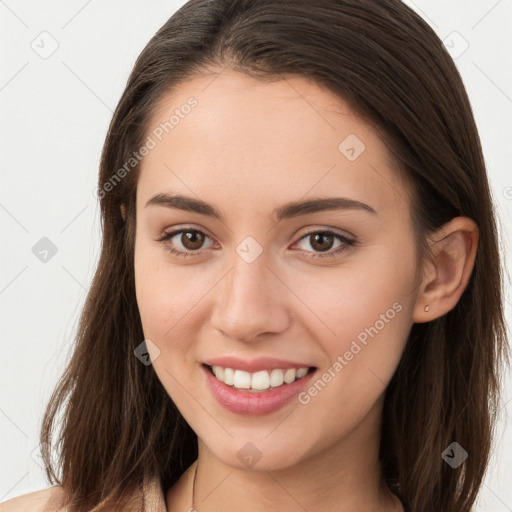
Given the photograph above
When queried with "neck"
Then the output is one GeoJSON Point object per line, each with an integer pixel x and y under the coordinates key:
{"type": "Point", "coordinates": [343, 477]}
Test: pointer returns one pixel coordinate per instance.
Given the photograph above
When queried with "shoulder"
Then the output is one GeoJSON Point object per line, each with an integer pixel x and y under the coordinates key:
{"type": "Point", "coordinates": [45, 500]}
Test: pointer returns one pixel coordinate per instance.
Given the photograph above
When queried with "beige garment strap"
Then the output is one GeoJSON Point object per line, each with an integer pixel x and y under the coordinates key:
{"type": "Point", "coordinates": [148, 499]}
{"type": "Point", "coordinates": [153, 496]}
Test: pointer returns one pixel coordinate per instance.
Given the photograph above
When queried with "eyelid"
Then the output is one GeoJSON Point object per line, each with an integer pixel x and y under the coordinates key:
{"type": "Point", "coordinates": [171, 233]}
{"type": "Point", "coordinates": [346, 244]}
{"type": "Point", "coordinates": [311, 230]}
{"type": "Point", "coordinates": [347, 241]}
{"type": "Point", "coordinates": [176, 229]}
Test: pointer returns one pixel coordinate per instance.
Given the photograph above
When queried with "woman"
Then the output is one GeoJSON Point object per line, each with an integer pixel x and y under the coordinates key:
{"type": "Point", "coordinates": [297, 304]}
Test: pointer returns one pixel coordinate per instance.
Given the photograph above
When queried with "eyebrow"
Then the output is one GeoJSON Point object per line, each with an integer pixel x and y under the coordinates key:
{"type": "Point", "coordinates": [286, 211]}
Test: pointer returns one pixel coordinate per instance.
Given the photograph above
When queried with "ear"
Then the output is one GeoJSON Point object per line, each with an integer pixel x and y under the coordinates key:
{"type": "Point", "coordinates": [123, 212]}
{"type": "Point", "coordinates": [445, 278]}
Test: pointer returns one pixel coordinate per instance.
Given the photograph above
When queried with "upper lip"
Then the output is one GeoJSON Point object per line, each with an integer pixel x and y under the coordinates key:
{"type": "Point", "coordinates": [256, 364]}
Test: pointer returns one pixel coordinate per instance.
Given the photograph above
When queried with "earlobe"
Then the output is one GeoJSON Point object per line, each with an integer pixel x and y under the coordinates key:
{"type": "Point", "coordinates": [454, 248]}
{"type": "Point", "coordinates": [123, 212]}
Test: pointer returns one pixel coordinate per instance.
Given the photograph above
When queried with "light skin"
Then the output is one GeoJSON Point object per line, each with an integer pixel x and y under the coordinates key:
{"type": "Point", "coordinates": [247, 148]}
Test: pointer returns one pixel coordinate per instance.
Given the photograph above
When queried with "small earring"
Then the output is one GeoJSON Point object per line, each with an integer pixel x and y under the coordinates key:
{"type": "Point", "coordinates": [427, 307]}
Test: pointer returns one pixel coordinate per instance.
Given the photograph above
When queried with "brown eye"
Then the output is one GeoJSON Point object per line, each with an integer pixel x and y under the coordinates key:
{"type": "Point", "coordinates": [184, 242]}
{"type": "Point", "coordinates": [192, 240]}
{"type": "Point", "coordinates": [321, 241]}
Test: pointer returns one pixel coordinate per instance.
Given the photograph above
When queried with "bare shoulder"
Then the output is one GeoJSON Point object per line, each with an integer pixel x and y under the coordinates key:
{"type": "Point", "coordinates": [45, 500]}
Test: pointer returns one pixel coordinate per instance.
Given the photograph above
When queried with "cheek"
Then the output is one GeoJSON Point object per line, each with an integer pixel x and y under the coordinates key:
{"type": "Point", "coordinates": [167, 297]}
{"type": "Point", "coordinates": [368, 311]}
{"type": "Point", "coordinates": [364, 308]}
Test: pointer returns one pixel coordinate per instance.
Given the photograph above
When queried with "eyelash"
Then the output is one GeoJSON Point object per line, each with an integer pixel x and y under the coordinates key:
{"type": "Point", "coordinates": [348, 243]}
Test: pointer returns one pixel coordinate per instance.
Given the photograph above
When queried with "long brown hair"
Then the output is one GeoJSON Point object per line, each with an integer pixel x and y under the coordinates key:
{"type": "Point", "coordinates": [119, 425]}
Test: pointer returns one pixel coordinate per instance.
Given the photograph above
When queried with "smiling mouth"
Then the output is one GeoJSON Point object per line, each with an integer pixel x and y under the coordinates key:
{"type": "Point", "coordinates": [261, 381]}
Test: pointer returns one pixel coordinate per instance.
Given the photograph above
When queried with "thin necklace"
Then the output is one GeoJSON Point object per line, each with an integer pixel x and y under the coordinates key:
{"type": "Point", "coordinates": [192, 508]}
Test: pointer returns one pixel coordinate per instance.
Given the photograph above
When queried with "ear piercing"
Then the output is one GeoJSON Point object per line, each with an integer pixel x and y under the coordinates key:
{"type": "Point", "coordinates": [427, 307]}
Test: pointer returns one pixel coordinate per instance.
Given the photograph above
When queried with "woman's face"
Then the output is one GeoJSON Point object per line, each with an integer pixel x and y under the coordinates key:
{"type": "Point", "coordinates": [268, 284]}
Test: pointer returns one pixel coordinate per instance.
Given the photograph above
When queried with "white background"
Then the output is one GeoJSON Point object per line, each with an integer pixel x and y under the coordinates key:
{"type": "Point", "coordinates": [55, 113]}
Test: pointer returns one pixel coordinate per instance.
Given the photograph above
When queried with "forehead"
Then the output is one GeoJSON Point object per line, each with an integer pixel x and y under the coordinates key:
{"type": "Point", "coordinates": [231, 138]}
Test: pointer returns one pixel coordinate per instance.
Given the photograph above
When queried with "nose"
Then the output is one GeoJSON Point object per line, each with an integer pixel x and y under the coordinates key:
{"type": "Point", "coordinates": [251, 302]}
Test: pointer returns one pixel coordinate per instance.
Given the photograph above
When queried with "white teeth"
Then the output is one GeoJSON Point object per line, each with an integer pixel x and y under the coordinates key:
{"type": "Point", "coordinates": [289, 375]}
{"type": "Point", "coordinates": [242, 380]}
{"type": "Point", "coordinates": [276, 378]}
{"type": "Point", "coordinates": [219, 372]}
{"type": "Point", "coordinates": [301, 372]}
{"type": "Point", "coordinates": [258, 381]}
{"type": "Point", "coordinates": [228, 376]}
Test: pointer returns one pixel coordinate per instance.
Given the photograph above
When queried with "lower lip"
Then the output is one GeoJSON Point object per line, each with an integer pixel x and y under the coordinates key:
{"type": "Point", "coordinates": [254, 404]}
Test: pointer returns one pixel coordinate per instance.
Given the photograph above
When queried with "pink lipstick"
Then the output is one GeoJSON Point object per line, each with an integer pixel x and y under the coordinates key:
{"type": "Point", "coordinates": [255, 403]}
